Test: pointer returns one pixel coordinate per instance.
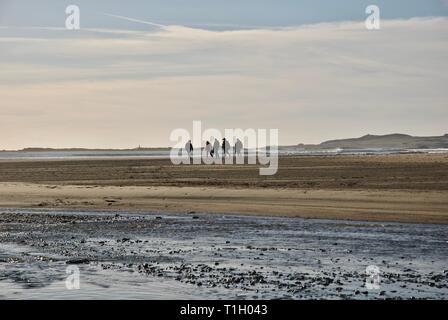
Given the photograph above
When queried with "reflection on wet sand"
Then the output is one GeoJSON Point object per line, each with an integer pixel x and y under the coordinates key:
{"type": "Point", "coordinates": [130, 255]}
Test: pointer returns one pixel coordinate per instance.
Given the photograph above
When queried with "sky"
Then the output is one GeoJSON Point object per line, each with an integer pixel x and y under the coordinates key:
{"type": "Point", "coordinates": [308, 68]}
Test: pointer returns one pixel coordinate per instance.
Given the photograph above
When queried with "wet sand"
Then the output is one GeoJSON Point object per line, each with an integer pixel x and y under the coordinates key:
{"type": "Point", "coordinates": [401, 188]}
{"type": "Point", "coordinates": [145, 229]}
{"type": "Point", "coordinates": [131, 255]}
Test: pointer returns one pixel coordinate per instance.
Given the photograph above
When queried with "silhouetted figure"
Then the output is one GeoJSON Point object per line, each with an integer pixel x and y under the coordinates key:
{"type": "Point", "coordinates": [189, 148]}
{"type": "Point", "coordinates": [225, 147]}
{"type": "Point", "coordinates": [228, 147]}
{"type": "Point", "coordinates": [238, 147]}
{"type": "Point", "coordinates": [216, 148]}
{"type": "Point", "coordinates": [208, 149]}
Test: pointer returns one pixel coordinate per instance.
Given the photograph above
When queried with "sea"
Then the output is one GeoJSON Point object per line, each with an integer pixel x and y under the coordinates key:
{"type": "Point", "coordinates": [165, 154]}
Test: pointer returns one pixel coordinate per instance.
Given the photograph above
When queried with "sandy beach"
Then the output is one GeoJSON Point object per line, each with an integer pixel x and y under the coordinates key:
{"type": "Point", "coordinates": [401, 188]}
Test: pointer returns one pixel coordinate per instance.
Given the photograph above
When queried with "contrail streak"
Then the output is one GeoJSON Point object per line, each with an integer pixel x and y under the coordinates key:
{"type": "Point", "coordinates": [135, 20]}
{"type": "Point", "coordinates": [191, 26]}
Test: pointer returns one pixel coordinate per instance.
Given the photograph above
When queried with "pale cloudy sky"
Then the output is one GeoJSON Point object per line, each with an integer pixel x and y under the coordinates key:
{"type": "Point", "coordinates": [308, 68]}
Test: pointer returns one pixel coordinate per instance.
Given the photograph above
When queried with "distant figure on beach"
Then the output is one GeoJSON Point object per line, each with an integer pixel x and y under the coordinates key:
{"type": "Point", "coordinates": [216, 148]}
{"type": "Point", "coordinates": [208, 149]}
{"type": "Point", "coordinates": [225, 147]}
{"type": "Point", "coordinates": [189, 148]}
{"type": "Point", "coordinates": [238, 147]}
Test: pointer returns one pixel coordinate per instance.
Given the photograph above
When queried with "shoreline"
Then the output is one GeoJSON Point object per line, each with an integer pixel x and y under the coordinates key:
{"type": "Point", "coordinates": [196, 214]}
{"type": "Point", "coordinates": [167, 158]}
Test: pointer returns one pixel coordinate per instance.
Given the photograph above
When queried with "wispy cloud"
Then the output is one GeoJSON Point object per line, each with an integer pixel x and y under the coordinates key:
{"type": "Point", "coordinates": [115, 88]}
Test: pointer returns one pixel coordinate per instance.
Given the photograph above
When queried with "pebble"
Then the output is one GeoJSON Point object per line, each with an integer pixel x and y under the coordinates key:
{"type": "Point", "coordinates": [78, 261]}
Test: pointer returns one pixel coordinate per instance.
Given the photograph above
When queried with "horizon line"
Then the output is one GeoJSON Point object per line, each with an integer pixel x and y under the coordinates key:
{"type": "Point", "coordinates": [168, 147]}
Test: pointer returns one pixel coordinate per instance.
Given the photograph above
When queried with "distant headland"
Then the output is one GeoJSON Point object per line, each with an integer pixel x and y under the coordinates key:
{"type": "Point", "coordinates": [388, 141]}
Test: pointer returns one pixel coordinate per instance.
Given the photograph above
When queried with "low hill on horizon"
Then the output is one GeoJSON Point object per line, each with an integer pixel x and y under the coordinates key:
{"type": "Point", "coordinates": [388, 141]}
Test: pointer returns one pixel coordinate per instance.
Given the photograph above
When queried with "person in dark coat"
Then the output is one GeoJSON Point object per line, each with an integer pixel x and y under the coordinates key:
{"type": "Point", "coordinates": [225, 147]}
{"type": "Point", "coordinates": [189, 148]}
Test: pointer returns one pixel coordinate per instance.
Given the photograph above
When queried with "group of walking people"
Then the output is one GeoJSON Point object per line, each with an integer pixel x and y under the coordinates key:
{"type": "Point", "coordinates": [213, 149]}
